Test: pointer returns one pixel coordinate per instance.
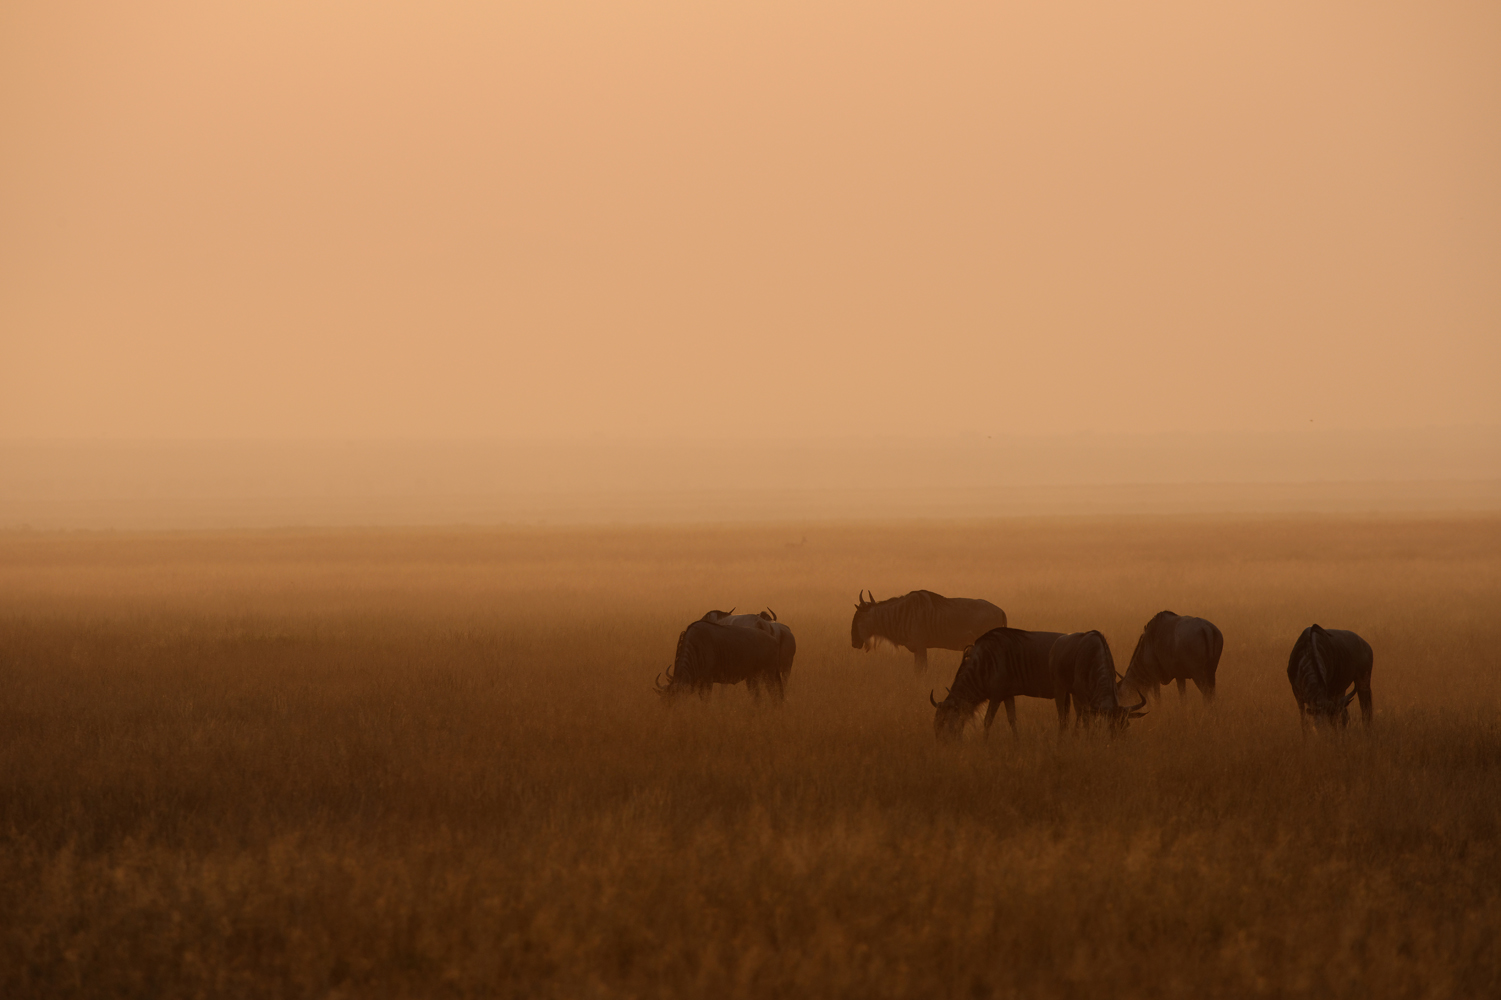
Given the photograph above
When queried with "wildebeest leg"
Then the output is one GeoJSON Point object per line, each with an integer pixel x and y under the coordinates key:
{"type": "Point", "coordinates": [1363, 691]}
{"type": "Point", "coordinates": [1182, 689]}
{"type": "Point", "coordinates": [1011, 714]}
{"type": "Point", "coordinates": [1302, 716]}
{"type": "Point", "coordinates": [995, 703]}
{"type": "Point", "coordinates": [920, 659]}
{"type": "Point", "coordinates": [1062, 702]}
{"type": "Point", "coordinates": [754, 687]}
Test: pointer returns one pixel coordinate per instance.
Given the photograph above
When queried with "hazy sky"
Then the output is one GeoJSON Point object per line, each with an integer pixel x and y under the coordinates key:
{"type": "Point", "coordinates": [804, 218]}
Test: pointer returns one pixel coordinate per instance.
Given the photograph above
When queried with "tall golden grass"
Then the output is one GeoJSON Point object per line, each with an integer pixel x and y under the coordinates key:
{"type": "Point", "coordinates": [428, 764]}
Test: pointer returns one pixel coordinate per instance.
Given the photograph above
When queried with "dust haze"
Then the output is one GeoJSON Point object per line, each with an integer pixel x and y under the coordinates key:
{"type": "Point", "coordinates": [378, 220]}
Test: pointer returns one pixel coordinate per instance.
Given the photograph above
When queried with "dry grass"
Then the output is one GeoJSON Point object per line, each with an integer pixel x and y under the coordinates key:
{"type": "Point", "coordinates": [427, 764]}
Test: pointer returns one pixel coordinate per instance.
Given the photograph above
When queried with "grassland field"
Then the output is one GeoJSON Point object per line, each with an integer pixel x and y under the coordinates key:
{"type": "Point", "coordinates": [430, 763]}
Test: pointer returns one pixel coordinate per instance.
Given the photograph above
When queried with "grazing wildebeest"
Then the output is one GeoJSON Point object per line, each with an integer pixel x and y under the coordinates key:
{"type": "Point", "coordinates": [1002, 664]}
{"type": "Point", "coordinates": [1084, 671]}
{"type": "Point", "coordinates": [923, 620]}
{"type": "Point", "coordinates": [766, 622]}
{"type": "Point", "coordinates": [710, 653]}
{"type": "Point", "coordinates": [1324, 662]}
{"type": "Point", "coordinates": [1175, 648]}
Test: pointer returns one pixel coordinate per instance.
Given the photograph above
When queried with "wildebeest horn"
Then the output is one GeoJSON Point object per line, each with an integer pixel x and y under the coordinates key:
{"type": "Point", "coordinates": [1348, 698]}
{"type": "Point", "coordinates": [773, 613]}
{"type": "Point", "coordinates": [1138, 704]}
{"type": "Point", "coordinates": [931, 698]}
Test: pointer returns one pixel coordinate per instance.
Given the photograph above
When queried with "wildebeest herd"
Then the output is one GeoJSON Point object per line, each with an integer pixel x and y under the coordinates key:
{"type": "Point", "coordinates": [1001, 663]}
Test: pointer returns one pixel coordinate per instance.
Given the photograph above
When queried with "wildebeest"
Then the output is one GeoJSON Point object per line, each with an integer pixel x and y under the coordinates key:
{"type": "Point", "coordinates": [923, 620]}
{"type": "Point", "coordinates": [1175, 648]}
{"type": "Point", "coordinates": [1002, 664]}
{"type": "Point", "coordinates": [1084, 672]}
{"type": "Point", "coordinates": [711, 653]}
{"type": "Point", "coordinates": [1324, 662]}
{"type": "Point", "coordinates": [766, 622]}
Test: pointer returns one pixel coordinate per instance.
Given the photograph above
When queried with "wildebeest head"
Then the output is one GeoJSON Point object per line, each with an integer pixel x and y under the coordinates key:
{"type": "Point", "coordinates": [957, 709]}
{"type": "Point", "coordinates": [860, 637]}
{"type": "Point", "coordinates": [951, 717]}
{"type": "Point", "coordinates": [714, 616]}
{"type": "Point", "coordinates": [666, 690]}
{"type": "Point", "coordinates": [1119, 714]}
{"type": "Point", "coordinates": [1330, 711]}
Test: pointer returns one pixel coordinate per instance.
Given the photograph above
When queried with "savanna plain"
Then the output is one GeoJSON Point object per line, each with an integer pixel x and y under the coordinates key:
{"type": "Point", "coordinates": [430, 763]}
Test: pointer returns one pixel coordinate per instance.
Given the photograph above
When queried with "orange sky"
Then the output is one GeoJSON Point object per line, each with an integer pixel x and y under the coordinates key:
{"type": "Point", "coordinates": [791, 219]}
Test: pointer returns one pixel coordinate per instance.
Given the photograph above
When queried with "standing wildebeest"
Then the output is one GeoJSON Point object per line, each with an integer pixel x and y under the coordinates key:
{"type": "Point", "coordinates": [1323, 663]}
{"type": "Point", "coordinates": [1175, 648]}
{"type": "Point", "coordinates": [1084, 671]}
{"type": "Point", "coordinates": [709, 653]}
{"type": "Point", "coordinates": [766, 622]}
{"type": "Point", "coordinates": [1003, 663]}
{"type": "Point", "coordinates": [923, 620]}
